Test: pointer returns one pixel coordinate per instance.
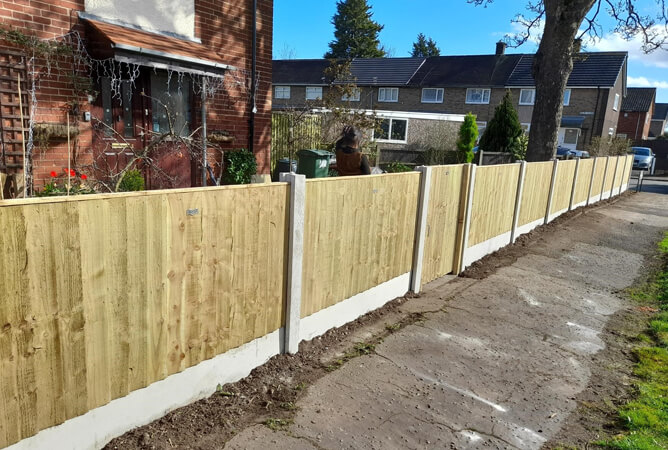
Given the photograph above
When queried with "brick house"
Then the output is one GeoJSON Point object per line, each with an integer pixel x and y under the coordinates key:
{"type": "Point", "coordinates": [447, 87]}
{"type": "Point", "coordinates": [659, 122]}
{"type": "Point", "coordinates": [147, 63]}
{"type": "Point", "coordinates": [636, 114]}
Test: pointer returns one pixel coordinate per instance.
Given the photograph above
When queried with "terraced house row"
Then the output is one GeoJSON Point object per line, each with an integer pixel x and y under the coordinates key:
{"type": "Point", "coordinates": [414, 95]}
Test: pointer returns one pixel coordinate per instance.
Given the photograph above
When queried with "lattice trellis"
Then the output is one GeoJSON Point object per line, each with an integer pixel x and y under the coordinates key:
{"type": "Point", "coordinates": [12, 64]}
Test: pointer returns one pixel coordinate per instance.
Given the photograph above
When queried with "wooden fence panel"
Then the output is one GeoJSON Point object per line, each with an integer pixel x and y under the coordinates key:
{"type": "Point", "coordinates": [620, 170]}
{"type": "Point", "coordinates": [358, 233]}
{"type": "Point", "coordinates": [536, 192]}
{"type": "Point", "coordinates": [629, 168]}
{"type": "Point", "coordinates": [563, 186]}
{"type": "Point", "coordinates": [104, 295]}
{"type": "Point", "coordinates": [445, 198]}
{"type": "Point", "coordinates": [494, 196]}
{"type": "Point", "coordinates": [583, 181]}
{"type": "Point", "coordinates": [598, 176]}
{"type": "Point", "coordinates": [290, 133]}
{"type": "Point", "coordinates": [610, 174]}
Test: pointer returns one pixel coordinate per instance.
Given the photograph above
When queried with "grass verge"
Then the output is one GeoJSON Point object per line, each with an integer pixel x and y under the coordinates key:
{"type": "Point", "coordinates": [645, 418]}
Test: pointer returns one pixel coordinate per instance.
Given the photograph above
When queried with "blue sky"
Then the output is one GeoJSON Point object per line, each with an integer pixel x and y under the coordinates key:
{"type": "Point", "coordinates": [302, 29]}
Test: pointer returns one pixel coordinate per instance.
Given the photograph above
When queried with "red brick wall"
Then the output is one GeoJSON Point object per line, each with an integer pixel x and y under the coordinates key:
{"type": "Point", "coordinates": [224, 26]}
{"type": "Point", "coordinates": [634, 125]}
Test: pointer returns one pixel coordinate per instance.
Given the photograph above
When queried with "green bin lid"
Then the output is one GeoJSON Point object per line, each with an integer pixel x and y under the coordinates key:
{"type": "Point", "coordinates": [317, 153]}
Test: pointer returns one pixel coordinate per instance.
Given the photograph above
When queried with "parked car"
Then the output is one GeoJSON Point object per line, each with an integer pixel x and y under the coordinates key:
{"type": "Point", "coordinates": [581, 153]}
{"type": "Point", "coordinates": [643, 158]}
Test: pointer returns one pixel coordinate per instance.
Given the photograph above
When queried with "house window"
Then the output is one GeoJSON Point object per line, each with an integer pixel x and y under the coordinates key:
{"type": "Point", "coordinates": [111, 105]}
{"type": "Point", "coordinates": [571, 136]}
{"type": "Point", "coordinates": [393, 130]}
{"type": "Point", "coordinates": [353, 96]}
{"type": "Point", "coordinates": [282, 92]}
{"type": "Point", "coordinates": [622, 135]}
{"type": "Point", "coordinates": [527, 96]}
{"type": "Point", "coordinates": [567, 97]}
{"type": "Point", "coordinates": [432, 95]}
{"type": "Point", "coordinates": [314, 93]}
{"type": "Point", "coordinates": [525, 127]}
{"type": "Point", "coordinates": [388, 94]}
{"type": "Point", "coordinates": [615, 106]}
{"type": "Point", "coordinates": [171, 102]}
{"type": "Point", "coordinates": [478, 96]}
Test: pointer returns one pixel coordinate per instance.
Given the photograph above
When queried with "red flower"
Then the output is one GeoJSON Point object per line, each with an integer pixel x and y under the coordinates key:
{"type": "Point", "coordinates": [54, 174]}
{"type": "Point", "coordinates": [65, 169]}
{"type": "Point", "coordinates": [73, 173]}
{"type": "Point", "coordinates": [83, 176]}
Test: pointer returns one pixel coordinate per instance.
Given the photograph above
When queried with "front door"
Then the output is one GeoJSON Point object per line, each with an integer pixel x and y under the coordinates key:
{"type": "Point", "coordinates": [568, 137]}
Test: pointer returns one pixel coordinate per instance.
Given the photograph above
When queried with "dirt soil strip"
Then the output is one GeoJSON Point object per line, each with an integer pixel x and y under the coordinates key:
{"type": "Point", "coordinates": [510, 357]}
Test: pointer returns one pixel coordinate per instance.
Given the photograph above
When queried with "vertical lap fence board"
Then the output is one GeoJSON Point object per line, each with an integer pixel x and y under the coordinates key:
{"type": "Point", "coordinates": [535, 195]}
{"type": "Point", "coordinates": [599, 173]}
{"type": "Point", "coordinates": [445, 199]}
{"type": "Point", "coordinates": [104, 295]}
{"type": "Point", "coordinates": [583, 182]}
{"type": "Point", "coordinates": [358, 233]}
{"type": "Point", "coordinates": [563, 187]}
{"type": "Point", "coordinates": [493, 208]}
{"type": "Point", "coordinates": [610, 174]}
{"type": "Point", "coordinates": [627, 172]}
{"type": "Point", "coordinates": [619, 174]}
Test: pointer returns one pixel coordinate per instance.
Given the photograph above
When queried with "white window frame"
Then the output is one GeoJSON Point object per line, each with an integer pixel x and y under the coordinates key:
{"type": "Point", "coordinates": [389, 132]}
{"type": "Point", "coordinates": [482, 96]}
{"type": "Point", "coordinates": [533, 96]}
{"type": "Point", "coordinates": [314, 89]}
{"type": "Point", "coordinates": [615, 105]}
{"type": "Point", "coordinates": [567, 96]}
{"type": "Point", "coordinates": [439, 95]}
{"type": "Point", "coordinates": [283, 90]}
{"type": "Point", "coordinates": [383, 95]}
{"type": "Point", "coordinates": [356, 95]}
{"type": "Point", "coordinates": [528, 127]}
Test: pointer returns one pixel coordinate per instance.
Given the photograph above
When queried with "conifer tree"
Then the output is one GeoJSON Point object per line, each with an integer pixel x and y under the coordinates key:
{"type": "Point", "coordinates": [503, 131]}
{"type": "Point", "coordinates": [424, 48]}
{"type": "Point", "coordinates": [468, 135]}
{"type": "Point", "coordinates": [355, 33]}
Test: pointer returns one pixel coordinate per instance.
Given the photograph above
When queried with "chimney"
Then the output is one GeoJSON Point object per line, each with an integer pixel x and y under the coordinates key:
{"type": "Point", "coordinates": [501, 48]}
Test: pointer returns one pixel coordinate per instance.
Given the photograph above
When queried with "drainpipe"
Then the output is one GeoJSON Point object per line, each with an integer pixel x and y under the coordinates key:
{"type": "Point", "coordinates": [251, 125]}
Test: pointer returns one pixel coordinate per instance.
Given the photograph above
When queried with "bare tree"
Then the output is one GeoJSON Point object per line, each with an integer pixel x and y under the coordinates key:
{"type": "Point", "coordinates": [566, 23]}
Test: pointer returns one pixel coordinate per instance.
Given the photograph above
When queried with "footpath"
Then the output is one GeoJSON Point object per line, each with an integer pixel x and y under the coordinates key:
{"type": "Point", "coordinates": [495, 362]}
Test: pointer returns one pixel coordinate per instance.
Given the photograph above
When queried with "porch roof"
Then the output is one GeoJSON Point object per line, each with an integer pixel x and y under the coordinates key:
{"type": "Point", "coordinates": [136, 46]}
{"type": "Point", "coordinates": [572, 121]}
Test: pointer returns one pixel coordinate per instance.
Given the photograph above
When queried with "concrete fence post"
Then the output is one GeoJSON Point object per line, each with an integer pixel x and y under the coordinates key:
{"type": "Point", "coordinates": [518, 201]}
{"type": "Point", "coordinates": [575, 183]}
{"type": "Point", "coordinates": [551, 194]}
{"type": "Point", "coordinates": [591, 181]}
{"type": "Point", "coordinates": [295, 259]}
{"type": "Point", "coordinates": [467, 220]}
{"type": "Point", "coordinates": [421, 231]}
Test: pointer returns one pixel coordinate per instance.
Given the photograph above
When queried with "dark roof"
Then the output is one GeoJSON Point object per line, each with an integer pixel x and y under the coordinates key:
{"type": "Point", "coordinates": [385, 71]}
{"type": "Point", "coordinates": [589, 69]}
{"type": "Point", "coordinates": [299, 71]}
{"type": "Point", "coordinates": [638, 99]}
{"type": "Point", "coordinates": [476, 70]}
{"type": "Point", "coordinates": [660, 111]}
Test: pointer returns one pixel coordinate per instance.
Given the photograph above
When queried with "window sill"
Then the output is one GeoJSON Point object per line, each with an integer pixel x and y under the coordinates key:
{"type": "Point", "coordinates": [477, 103]}
{"type": "Point", "coordinates": [424, 101]}
{"type": "Point", "coordinates": [390, 141]}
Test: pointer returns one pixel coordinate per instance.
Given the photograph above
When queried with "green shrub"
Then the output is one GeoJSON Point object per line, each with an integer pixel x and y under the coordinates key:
{"type": "Point", "coordinates": [132, 181]}
{"type": "Point", "coordinates": [397, 167]}
{"type": "Point", "coordinates": [240, 165]}
{"type": "Point", "coordinates": [503, 130]}
{"type": "Point", "coordinates": [468, 135]}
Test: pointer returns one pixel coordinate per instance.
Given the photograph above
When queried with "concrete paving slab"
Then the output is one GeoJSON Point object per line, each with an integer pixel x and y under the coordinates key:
{"type": "Point", "coordinates": [496, 363]}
